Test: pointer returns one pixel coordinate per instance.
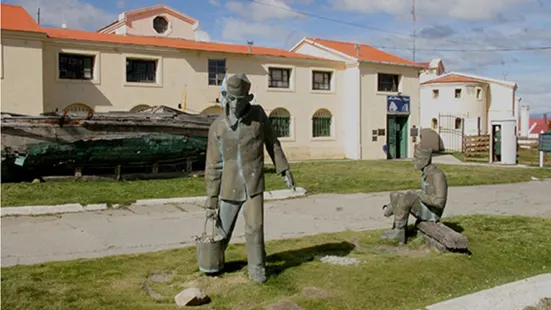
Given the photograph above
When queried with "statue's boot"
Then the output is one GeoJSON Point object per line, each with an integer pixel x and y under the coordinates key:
{"type": "Point", "coordinates": [401, 215]}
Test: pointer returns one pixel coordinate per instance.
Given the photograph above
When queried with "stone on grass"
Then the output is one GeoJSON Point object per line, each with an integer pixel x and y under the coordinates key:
{"type": "Point", "coordinates": [314, 292]}
{"type": "Point", "coordinates": [191, 297]}
{"type": "Point", "coordinates": [338, 260]}
{"type": "Point", "coordinates": [284, 305]}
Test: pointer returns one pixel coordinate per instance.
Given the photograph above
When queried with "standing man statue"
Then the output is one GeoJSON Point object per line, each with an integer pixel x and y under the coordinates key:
{"type": "Point", "coordinates": [234, 169]}
{"type": "Point", "coordinates": [426, 205]}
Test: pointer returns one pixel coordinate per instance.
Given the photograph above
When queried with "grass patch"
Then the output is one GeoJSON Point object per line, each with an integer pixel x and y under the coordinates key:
{"type": "Point", "coordinates": [316, 177]}
{"type": "Point", "coordinates": [505, 249]}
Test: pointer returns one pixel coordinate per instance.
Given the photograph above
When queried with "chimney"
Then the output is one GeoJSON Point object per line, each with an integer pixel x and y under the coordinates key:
{"type": "Point", "coordinates": [250, 44]}
{"type": "Point", "coordinates": [357, 50]}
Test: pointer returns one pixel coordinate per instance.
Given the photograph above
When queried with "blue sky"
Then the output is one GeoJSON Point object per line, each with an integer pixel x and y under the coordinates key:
{"type": "Point", "coordinates": [441, 24]}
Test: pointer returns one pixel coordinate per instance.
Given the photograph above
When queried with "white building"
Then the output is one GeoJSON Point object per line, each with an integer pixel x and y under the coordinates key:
{"type": "Point", "coordinates": [380, 98]}
{"type": "Point", "coordinates": [455, 104]}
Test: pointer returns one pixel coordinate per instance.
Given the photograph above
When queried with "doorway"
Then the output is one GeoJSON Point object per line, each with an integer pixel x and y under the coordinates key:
{"type": "Point", "coordinates": [397, 138]}
{"type": "Point", "coordinates": [496, 143]}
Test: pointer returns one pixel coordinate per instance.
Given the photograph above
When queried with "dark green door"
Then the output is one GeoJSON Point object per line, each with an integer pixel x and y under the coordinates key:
{"type": "Point", "coordinates": [397, 139]}
{"type": "Point", "coordinates": [391, 137]}
{"type": "Point", "coordinates": [402, 126]}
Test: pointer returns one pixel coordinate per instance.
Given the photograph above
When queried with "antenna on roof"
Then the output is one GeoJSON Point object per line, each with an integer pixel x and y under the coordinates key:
{"type": "Point", "coordinates": [250, 44]}
{"type": "Point", "coordinates": [357, 49]}
{"type": "Point", "coordinates": [38, 16]}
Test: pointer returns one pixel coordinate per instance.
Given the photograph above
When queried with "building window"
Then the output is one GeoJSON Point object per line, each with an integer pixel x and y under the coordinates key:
{"type": "Point", "coordinates": [321, 123]}
{"type": "Point", "coordinates": [281, 122]}
{"type": "Point", "coordinates": [387, 82]}
{"type": "Point", "coordinates": [458, 123]}
{"type": "Point", "coordinates": [458, 93]}
{"type": "Point", "coordinates": [160, 24]}
{"type": "Point", "coordinates": [321, 80]}
{"type": "Point", "coordinates": [434, 123]}
{"type": "Point", "coordinates": [141, 70]}
{"type": "Point", "coordinates": [478, 93]}
{"type": "Point", "coordinates": [76, 67]}
{"type": "Point", "coordinates": [279, 78]}
{"type": "Point", "coordinates": [435, 93]}
{"type": "Point", "coordinates": [217, 71]}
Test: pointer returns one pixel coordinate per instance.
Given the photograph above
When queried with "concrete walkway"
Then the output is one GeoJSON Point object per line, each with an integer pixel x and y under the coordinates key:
{"type": "Point", "coordinates": [511, 296]}
{"type": "Point", "coordinates": [31, 240]}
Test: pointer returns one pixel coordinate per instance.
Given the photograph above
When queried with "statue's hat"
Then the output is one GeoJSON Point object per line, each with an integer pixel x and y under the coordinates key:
{"type": "Point", "coordinates": [422, 152]}
{"type": "Point", "coordinates": [238, 85]}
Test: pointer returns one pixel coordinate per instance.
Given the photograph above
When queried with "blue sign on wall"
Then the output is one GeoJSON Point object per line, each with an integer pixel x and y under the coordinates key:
{"type": "Point", "coordinates": [398, 104]}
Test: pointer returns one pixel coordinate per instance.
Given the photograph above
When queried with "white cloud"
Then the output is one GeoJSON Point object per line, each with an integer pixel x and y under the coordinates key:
{"type": "Point", "coordinates": [264, 10]}
{"type": "Point", "coordinates": [470, 10]}
{"type": "Point", "coordinates": [214, 2]}
{"type": "Point", "coordinates": [239, 30]}
{"type": "Point", "coordinates": [76, 14]}
{"type": "Point", "coordinates": [202, 36]}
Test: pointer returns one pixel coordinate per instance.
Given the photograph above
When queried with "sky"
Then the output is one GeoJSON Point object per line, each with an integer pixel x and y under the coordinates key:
{"type": "Point", "coordinates": [463, 33]}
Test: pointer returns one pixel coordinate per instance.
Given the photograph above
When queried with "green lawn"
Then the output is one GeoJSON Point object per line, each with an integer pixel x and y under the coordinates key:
{"type": "Point", "coordinates": [504, 249]}
{"type": "Point", "coordinates": [316, 177]}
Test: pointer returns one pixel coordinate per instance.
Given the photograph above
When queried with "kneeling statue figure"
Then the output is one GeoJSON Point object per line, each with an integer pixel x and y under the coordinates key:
{"type": "Point", "coordinates": [426, 205]}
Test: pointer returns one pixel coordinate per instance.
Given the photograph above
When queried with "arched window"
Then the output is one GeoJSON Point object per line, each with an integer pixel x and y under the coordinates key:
{"type": "Point", "coordinates": [434, 123]}
{"type": "Point", "coordinates": [213, 110]}
{"type": "Point", "coordinates": [281, 122]}
{"type": "Point", "coordinates": [77, 108]}
{"type": "Point", "coordinates": [321, 123]}
{"type": "Point", "coordinates": [458, 123]}
{"type": "Point", "coordinates": [140, 108]}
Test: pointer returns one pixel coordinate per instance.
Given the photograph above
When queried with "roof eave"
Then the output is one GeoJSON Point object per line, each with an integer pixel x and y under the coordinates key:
{"type": "Point", "coordinates": [169, 48]}
{"type": "Point", "coordinates": [391, 63]}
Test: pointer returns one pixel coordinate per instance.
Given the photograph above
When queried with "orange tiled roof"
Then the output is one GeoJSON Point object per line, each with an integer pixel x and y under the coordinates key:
{"type": "Point", "coordinates": [171, 43]}
{"type": "Point", "coordinates": [14, 17]}
{"type": "Point", "coordinates": [367, 53]}
{"type": "Point", "coordinates": [453, 78]}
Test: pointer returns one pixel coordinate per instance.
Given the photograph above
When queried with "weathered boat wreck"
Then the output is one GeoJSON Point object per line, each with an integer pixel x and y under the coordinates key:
{"type": "Point", "coordinates": [57, 143]}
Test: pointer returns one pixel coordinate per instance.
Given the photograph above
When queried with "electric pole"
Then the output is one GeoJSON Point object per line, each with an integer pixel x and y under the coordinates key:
{"type": "Point", "coordinates": [38, 16]}
{"type": "Point", "coordinates": [414, 29]}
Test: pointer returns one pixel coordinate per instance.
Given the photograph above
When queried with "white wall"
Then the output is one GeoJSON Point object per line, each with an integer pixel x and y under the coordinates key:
{"type": "Point", "coordinates": [308, 49]}
{"type": "Point", "coordinates": [468, 106]}
{"type": "Point", "coordinates": [351, 113]}
{"type": "Point", "coordinates": [502, 102]}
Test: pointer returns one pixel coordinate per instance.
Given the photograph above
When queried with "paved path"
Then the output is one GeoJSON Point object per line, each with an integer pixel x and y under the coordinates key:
{"type": "Point", "coordinates": [511, 296]}
{"type": "Point", "coordinates": [31, 240]}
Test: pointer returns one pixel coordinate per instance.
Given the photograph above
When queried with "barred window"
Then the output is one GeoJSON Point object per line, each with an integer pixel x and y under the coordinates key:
{"type": "Point", "coordinates": [281, 122]}
{"type": "Point", "coordinates": [77, 108]}
{"type": "Point", "coordinates": [321, 80]}
{"type": "Point", "coordinates": [141, 70]}
{"type": "Point", "coordinates": [321, 123]}
{"type": "Point", "coordinates": [279, 78]}
{"type": "Point", "coordinates": [76, 67]}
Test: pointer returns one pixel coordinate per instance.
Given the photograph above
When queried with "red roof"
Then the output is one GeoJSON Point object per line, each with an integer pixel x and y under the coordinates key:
{"type": "Point", "coordinates": [424, 64]}
{"type": "Point", "coordinates": [367, 53]}
{"type": "Point", "coordinates": [452, 78]}
{"type": "Point", "coordinates": [14, 17]}
{"type": "Point", "coordinates": [540, 125]}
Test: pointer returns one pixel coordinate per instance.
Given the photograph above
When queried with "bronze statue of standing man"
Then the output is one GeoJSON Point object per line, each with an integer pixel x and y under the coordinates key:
{"type": "Point", "coordinates": [426, 205]}
{"type": "Point", "coordinates": [234, 171]}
